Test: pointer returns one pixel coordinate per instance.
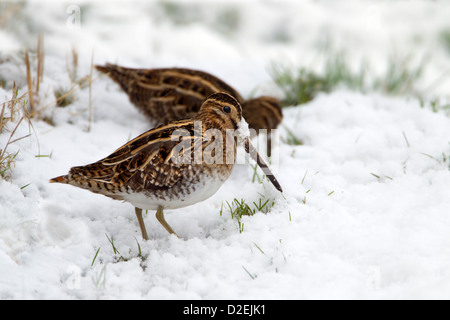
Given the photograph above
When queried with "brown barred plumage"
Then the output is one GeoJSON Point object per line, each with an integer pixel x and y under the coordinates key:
{"type": "Point", "coordinates": [172, 94]}
{"type": "Point", "coordinates": [145, 171]}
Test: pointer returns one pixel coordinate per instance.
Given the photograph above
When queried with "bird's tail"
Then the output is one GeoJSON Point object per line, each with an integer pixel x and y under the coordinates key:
{"type": "Point", "coordinates": [60, 179]}
{"type": "Point", "coordinates": [122, 76]}
{"type": "Point", "coordinates": [106, 68]}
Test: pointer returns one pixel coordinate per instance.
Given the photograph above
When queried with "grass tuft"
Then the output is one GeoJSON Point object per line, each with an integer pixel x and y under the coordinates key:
{"type": "Point", "coordinates": [118, 256]}
{"type": "Point", "coordinates": [436, 105]}
{"type": "Point", "coordinates": [291, 139]}
{"type": "Point", "coordinates": [63, 97]}
{"type": "Point", "coordinates": [34, 83]}
{"type": "Point", "coordinates": [298, 86]}
{"type": "Point", "coordinates": [443, 159]}
{"type": "Point", "coordinates": [444, 37]}
{"type": "Point", "coordinates": [301, 85]}
{"type": "Point", "coordinates": [239, 208]}
{"type": "Point", "coordinates": [400, 77]}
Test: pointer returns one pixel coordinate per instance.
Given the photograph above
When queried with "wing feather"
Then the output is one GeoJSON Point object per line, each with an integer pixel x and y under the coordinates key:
{"type": "Point", "coordinates": [144, 163]}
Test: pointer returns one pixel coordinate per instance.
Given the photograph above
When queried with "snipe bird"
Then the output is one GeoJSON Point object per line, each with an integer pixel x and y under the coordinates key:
{"type": "Point", "coordinates": [172, 94]}
{"type": "Point", "coordinates": [148, 172]}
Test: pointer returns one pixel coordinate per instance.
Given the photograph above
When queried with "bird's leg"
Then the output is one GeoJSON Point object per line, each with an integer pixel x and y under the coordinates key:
{"type": "Point", "coordinates": [141, 223]}
{"type": "Point", "coordinates": [160, 217]}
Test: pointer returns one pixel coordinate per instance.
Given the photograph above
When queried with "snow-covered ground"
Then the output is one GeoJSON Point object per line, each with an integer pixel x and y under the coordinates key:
{"type": "Point", "coordinates": [366, 207]}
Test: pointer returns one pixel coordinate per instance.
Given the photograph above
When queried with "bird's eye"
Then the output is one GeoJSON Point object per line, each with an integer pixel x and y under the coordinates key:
{"type": "Point", "coordinates": [226, 109]}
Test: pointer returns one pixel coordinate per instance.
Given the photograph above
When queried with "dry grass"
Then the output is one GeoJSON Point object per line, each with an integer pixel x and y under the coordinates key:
{"type": "Point", "coordinates": [29, 82]}
{"type": "Point", "coordinates": [20, 109]}
{"type": "Point", "coordinates": [13, 113]}
{"type": "Point", "coordinates": [9, 10]}
{"type": "Point", "coordinates": [90, 92]}
{"type": "Point", "coordinates": [33, 84]}
{"type": "Point", "coordinates": [40, 63]}
{"type": "Point", "coordinates": [72, 71]}
{"type": "Point", "coordinates": [63, 96]}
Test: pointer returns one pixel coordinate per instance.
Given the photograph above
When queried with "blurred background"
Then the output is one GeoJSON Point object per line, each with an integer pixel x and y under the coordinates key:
{"type": "Point", "coordinates": [292, 49]}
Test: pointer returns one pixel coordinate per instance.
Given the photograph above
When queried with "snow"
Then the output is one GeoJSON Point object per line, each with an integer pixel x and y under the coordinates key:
{"type": "Point", "coordinates": [243, 132]}
{"type": "Point", "coordinates": [365, 208]}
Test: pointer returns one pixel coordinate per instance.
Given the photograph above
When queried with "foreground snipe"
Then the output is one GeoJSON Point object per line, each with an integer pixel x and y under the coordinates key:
{"type": "Point", "coordinates": [172, 94]}
{"type": "Point", "coordinates": [174, 165]}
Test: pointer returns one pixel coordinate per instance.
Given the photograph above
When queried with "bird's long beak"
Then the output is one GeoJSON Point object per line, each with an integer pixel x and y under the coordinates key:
{"type": "Point", "coordinates": [251, 150]}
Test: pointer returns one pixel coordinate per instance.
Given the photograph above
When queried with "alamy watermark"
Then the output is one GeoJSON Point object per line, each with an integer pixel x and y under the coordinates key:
{"type": "Point", "coordinates": [374, 277]}
{"type": "Point", "coordinates": [73, 281]}
{"type": "Point", "coordinates": [73, 20]}
{"type": "Point", "coordinates": [214, 146]}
